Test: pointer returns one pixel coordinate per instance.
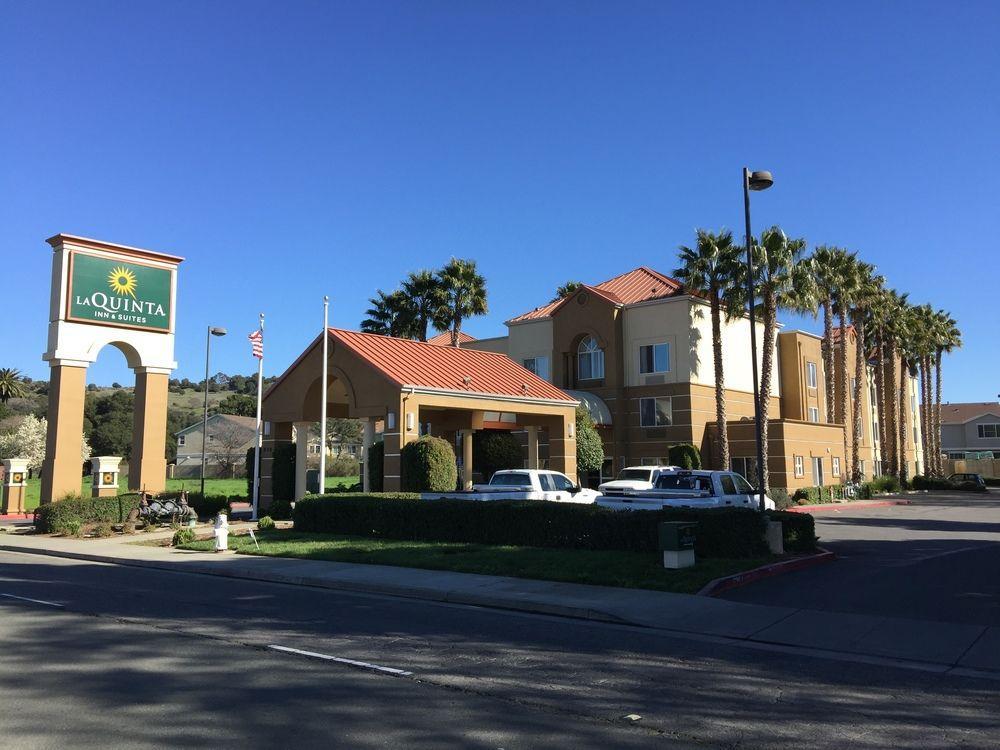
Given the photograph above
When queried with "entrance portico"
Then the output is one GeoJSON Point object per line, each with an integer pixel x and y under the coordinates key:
{"type": "Point", "coordinates": [415, 389]}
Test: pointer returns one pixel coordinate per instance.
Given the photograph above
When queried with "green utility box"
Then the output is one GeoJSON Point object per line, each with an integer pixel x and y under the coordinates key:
{"type": "Point", "coordinates": [677, 542]}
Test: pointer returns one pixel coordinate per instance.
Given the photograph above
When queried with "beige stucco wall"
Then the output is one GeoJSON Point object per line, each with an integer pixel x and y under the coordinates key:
{"type": "Point", "coordinates": [735, 347]}
{"type": "Point", "coordinates": [498, 344]}
{"type": "Point", "coordinates": [532, 339]}
{"type": "Point", "coordinates": [667, 321]}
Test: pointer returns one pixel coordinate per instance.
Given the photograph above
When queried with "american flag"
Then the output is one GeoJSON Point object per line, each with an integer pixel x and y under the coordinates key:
{"type": "Point", "coordinates": [257, 341]}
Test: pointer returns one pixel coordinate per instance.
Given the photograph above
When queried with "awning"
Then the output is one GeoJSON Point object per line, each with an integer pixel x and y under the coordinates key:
{"type": "Point", "coordinates": [599, 410]}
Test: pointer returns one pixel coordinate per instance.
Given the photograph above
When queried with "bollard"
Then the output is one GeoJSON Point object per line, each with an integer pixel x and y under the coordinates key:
{"type": "Point", "coordinates": [677, 543]}
{"type": "Point", "coordinates": [221, 532]}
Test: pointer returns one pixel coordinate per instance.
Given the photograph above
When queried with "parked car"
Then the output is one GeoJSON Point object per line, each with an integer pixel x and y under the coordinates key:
{"type": "Point", "coordinates": [634, 478]}
{"type": "Point", "coordinates": [691, 489]}
{"type": "Point", "coordinates": [523, 484]}
{"type": "Point", "coordinates": [970, 482]}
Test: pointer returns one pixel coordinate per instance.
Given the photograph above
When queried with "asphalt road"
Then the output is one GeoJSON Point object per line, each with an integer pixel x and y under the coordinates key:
{"type": "Point", "coordinates": [937, 559]}
{"type": "Point", "coordinates": [142, 658]}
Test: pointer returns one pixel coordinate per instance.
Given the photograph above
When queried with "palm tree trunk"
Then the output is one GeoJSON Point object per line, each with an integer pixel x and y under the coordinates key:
{"type": "Point", "coordinates": [766, 369]}
{"type": "Point", "coordinates": [842, 390]}
{"type": "Point", "coordinates": [892, 405]}
{"type": "Point", "coordinates": [829, 376]}
{"type": "Point", "coordinates": [456, 332]}
{"type": "Point", "coordinates": [859, 378]}
{"type": "Point", "coordinates": [924, 390]}
{"type": "Point", "coordinates": [901, 423]}
{"type": "Point", "coordinates": [880, 395]}
{"type": "Point", "coordinates": [936, 416]}
{"type": "Point", "coordinates": [722, 433]}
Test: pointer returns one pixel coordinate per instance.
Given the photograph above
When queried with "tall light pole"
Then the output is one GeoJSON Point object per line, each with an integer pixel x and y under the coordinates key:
{"type": "Point", "coordinates": [754, 181]}
{"type": "Point", "coordinates": [212, 331]}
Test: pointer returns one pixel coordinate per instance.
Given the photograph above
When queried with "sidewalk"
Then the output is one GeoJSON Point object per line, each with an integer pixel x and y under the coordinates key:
{"type": "Point", "coordinates": [937, 646]}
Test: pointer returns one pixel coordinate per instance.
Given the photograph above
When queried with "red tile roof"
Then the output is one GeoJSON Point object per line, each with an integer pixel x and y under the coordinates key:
{"type": "Point", "coordinates": [444, 338]}
{"type": "Point", "coordinates": [639, 285]}
{"type": "Point", "coordinates": [423, 365]}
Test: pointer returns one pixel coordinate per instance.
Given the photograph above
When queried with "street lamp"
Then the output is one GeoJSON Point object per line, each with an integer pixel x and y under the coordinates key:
{"type": "Point", "coordinates": [754, 181]}
{"type": "Point", "coordinates": [212, 331]}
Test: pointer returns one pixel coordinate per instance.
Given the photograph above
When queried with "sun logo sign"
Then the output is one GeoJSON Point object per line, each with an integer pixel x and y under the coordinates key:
{"type": "Point", "coordinates": [122, 281]}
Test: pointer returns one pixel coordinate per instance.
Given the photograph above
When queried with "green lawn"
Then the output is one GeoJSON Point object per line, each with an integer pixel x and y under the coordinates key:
{"type": "Point", "coordinates": [226, 487]}
{"type": "Point", "coordinates": [606, 568]}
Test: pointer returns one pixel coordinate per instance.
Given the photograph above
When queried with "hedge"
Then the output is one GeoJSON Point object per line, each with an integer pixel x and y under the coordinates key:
{"type": "Point", "coordinates": [428, 465]}
{"type": "Point", "coordinates": [375, 466]}
{"type": "Point", "coordinates": [723, 532]}
{"type": "Point", "coordinates": [797, 529]}
{"type": "Point", "coordinates": [57, 516]}
{"type": "Point", "coordinates": [494, 451]}
{"type": "Point", "coordinates": [283, 471]}
{"type": "Point", "coordinates": [992, 481]}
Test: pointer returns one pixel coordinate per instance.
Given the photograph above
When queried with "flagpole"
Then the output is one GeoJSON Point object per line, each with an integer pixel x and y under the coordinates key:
{"type": "Point", "coordinates": [260, 435]}
{"type": "Point", "coordinates": [322, 407]}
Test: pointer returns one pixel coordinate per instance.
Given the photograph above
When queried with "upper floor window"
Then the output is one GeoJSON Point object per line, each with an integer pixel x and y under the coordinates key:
{"type": "Point", "coordinates": [181, 440]}
{"type": "Point", "coordinates": [811, 374]}
{"type": "Point", "coordinates": [590, 360]}
{"type": "Point", "coordinates": [654, 358]}
{"type": "Point", "coordinates": [538, 365]}
{"type": "Point", "coordinates": [655, 412]}
{"type": "Point", "coordinates": [813, 414]}
{"type": "Point", "coordinates": [989, 430]}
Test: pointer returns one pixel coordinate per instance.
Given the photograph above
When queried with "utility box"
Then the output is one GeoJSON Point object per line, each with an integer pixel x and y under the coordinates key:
{"type": "Point", "coordinates": [677, 543]}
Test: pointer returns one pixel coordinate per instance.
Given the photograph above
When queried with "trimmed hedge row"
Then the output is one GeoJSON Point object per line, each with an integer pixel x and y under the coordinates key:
{"type": "Point", "coordinates": [723, 532]}
{"type": "Point", "coordinates": [65, 514]}
{"type": "Point", "coordinates": [798, 530]}
{"type": "Point", "coordinates": [992, 481]}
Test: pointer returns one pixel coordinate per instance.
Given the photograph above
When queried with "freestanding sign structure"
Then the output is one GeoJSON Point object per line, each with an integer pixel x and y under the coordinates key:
{"type": "Point", "coordinates": [107, 294]}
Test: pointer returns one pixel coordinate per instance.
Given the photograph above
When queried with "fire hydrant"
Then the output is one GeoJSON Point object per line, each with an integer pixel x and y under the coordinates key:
{"type": "Point", "coordinates": [221, 532]}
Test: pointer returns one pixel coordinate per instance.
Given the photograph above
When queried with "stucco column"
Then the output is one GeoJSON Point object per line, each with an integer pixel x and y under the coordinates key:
{"type": "Point", "coordinates": [301, 458]}
{"type": "Point", "coordinates": [62, 470]}
{"type": "Point", "coordinates": [367, 439]}
{"type": "Point", "coordinates": [532, 447]}
{"type": "Point", "coordinates": [15, 485]}
{"type": "Point", "coordinates": [467, 459]}
{"type": "Point", "coordinates": [562, 446]}
{"type": "Point", "coordinates": [147, 466]}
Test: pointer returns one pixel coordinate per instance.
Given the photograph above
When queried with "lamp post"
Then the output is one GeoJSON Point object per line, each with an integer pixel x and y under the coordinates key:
{"type": "Point", "coordinates": [754, 181]}
{"type": "Point", "coordinates": [212, 331]}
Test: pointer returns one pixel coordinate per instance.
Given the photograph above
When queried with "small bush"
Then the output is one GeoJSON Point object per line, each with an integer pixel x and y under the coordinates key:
{"type": "Point", "coordinates": [886, 484]}
{"type": "Point", "coordinates": [428, 465]}
{"type": "Point", "coordinates": [921, 482]}
{"type": "Point", "coordinates": [781, 498]}
{"type": "Point", "coordinates": [589, 448]}
{"type": "Point", "coordinates": [722, 532]}
{"type": "Point", "coordinates": [280, 510]}
{"type": "Point", "coordinates": [376, 466]}
{"type": "Point", "coordinates": [183, 536]}
{"type": "Point", "coordinates": [68, 527]}
{"type": "Point", "coordinates": [265, 523]}
{"type": "Point", "coordinates": [685, 455]}
{"type": "Point", "coordinates": [103, 530]}
{"type": "Point", "coordinates": [494, 451]}
{"type": "Point", "coordinates": [210, 505]}
{"type": "Point", "coordinates": [798, 530]}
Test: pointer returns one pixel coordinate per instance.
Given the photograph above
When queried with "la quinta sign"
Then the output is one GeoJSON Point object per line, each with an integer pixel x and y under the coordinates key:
{"type": "Point", "coordinates": [113, 292]}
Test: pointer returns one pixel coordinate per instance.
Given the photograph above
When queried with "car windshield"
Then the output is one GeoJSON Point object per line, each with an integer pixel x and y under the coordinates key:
{"type": "Point", "coordinates": [688, 482]}
{"type": "Point", "coordinates": [641, 475]}
{"type": "Point", "coordinates": [511, 480]}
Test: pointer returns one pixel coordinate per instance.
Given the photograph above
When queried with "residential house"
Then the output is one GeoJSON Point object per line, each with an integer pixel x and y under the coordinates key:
{"type": "Point", "coordinates": [971, 430]}
{"type": "Point", "coordinates": [229, 438]}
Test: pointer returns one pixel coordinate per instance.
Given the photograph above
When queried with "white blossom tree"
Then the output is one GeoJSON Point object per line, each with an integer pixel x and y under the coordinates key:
{"type": "Point", "coordinates": [27, 440]}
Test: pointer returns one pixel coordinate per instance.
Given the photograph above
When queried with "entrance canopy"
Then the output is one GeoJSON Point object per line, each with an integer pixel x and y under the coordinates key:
{"type": "Point", "coordinates": [415, 389]}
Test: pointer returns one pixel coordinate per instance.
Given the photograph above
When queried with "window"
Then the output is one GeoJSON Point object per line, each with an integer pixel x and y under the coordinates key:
{"type": "Point", "coordinates": [653, 461]}
{"type": "Point", "coordinates": [813, 414]}
{"type": "Point", "coordinates": [697, 482]}
{"type": "Point", "coordinates": [590, 360]}
{"type": "Point", "coordinates": [836, 466]}
{"type": "Point", "coordinates": [811, 374]}
{"type": "Point", "coordinates": [988, 430]}
{"type": "Point", "coordinates": [861, 468]}
{"type": "Point", "coordinates": [314, 449]}
{"type": "Point", "coordinates": [800, 470]}
{"type": "Point", "coordinates": [181, 441]}
{"type": "Point", "coordinates": [818, 470]}
{"type": "Point", "coordinates": [854, 385]}
{"type": "Point", "coordinates": [538, 365]}
{"type": "Point", "coordinates": [728, 485]}
{"type": "Point", "coordinates": [654, 358]}
{"type": "Point", "coordinates": [745, 466]}
{"type": "Point", "coordinates": [743, 486]}
{"type": "Point", "coordinates": [514, 479]}
{"type": "Point", "coordinates": [561, 483]}
{"type": "Point", "coordinates": [211, 438]}
{"type": "Point", "coordinates": [655, 412]}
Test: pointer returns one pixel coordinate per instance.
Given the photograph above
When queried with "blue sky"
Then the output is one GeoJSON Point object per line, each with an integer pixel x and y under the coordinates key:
{"type": "Point", "coordinates": [291, 150]}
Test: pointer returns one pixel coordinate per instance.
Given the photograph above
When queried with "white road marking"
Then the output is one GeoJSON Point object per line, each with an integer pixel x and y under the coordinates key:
{"type": "Point", "coordinates": [33, 601]}
{"type": "Point", "coordinates": [341, 660]}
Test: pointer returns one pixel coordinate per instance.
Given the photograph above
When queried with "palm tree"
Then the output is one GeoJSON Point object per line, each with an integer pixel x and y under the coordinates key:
{"type": "Point", "coordinates": [784, 282]}
{"type": "Point", "coordinates": [389, 315]}
{"type": "Point", "coordinates": [424, 297]}
{"type": "Point", "coordinates": [907, 347]}
{"type": "Point", "coordinates": [948, 339]}
{"type": "Point", "coordinates": [866, 290]}
{"type": "Point", "coordinates": [11, 384]}
{"type": "Point", "coordinates": [882, 309]}
{"type": "Point", "coordinates": [828, 266]}
{"type": "Point", "coordinates": [923, 333]}
{"type": "Point", "coordinates": [843, 299]}
{"type": "Point", "coordinates": [566, 289]}
{"type": "Point", "coordinates": [708, 270]}
{"type": "Point", "coordinates": [464, 294]}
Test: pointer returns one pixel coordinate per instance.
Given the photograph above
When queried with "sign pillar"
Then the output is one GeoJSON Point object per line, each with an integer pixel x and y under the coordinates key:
{"type": "Point", "coordinates": [105, 476]}
{"type": "Point", "coordinates": [105, 294]}
{"type": "Point", "coordinates": [15, 485]}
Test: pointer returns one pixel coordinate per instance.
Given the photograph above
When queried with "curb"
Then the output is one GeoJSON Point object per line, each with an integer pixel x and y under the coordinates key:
{"type": "Point", "coordinates": [727, 583]}
{"type": "Point", "coordinates": [838, 506]}
{"type": "Point", "coordinates": [492, 601]}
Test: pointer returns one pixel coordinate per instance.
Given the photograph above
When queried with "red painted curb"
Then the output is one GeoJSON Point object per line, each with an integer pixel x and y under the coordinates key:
{"type": "Point", "coordinates": [17, 516]}
{"type": "Point", "coordinates": [838, 506]}
{"type": "Point", "coordinates": [726, 583]}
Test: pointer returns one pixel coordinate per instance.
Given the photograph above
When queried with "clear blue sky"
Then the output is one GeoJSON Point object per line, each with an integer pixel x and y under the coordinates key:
{"type": "Point", "coordinates": [290, 150]}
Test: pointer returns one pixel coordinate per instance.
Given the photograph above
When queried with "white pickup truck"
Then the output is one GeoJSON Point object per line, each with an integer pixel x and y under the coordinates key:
{"type": "Point", "coordinates": [633, 478]}
{"type": "Point", "coordinates": [691, 489]}
{"type": "Point", "coordinates": [523, 484]}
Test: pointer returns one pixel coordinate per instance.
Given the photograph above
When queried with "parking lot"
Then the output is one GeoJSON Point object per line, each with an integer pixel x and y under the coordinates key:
{"type": "Point", "coordinates": [936, 559]}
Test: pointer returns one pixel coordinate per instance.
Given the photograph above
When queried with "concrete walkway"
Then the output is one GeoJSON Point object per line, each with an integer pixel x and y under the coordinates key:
{"type": "Point", "coordinates": [936, 646]}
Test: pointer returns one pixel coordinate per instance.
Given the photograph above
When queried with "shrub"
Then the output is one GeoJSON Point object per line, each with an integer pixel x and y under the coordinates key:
{"type": "Point", "coordinates": [685, 455]}
{"type": "Point", "coordinates": [343, 466]}
{"type": "Point", "coordinates": [798, 530]}
{"type": "Point", "coordinates": [992, 481]}
{"type": "Point", "coordinates": [921, 482]}
{"type": "Point", "coordinates": [885, 484]}
{"type": "Point", "coordinates": [375, 467]}
{"type": "Point", "coordinates": [589, 448]}
{"type": "Point", "coordinates": [494, 451]}
{"type": "Point", "coordinates": [280, 510]}
{"type": "Point", "coordinates": [283, 471]}
{"type": "Point", "coordinates": [183, 536]}
{"type": "Point", "coordinates": [818, 495]}
{"type": "Point", "coordinates": [54, 517]}
{"type": "Point", "coordinates": [781, 498]}
{"type": "Point", "coordinates": [722, 532]}
{"type": "Point", "coordinates": [428, 465]}
{"type": "Point", "coordinates": [264, 523]}
{"type": "Point", "coordinates": [103, 530]}
{"type": "Point", "coordinates": [209, 506]}
{"type": "Point", "coordinates": [68, 527]}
